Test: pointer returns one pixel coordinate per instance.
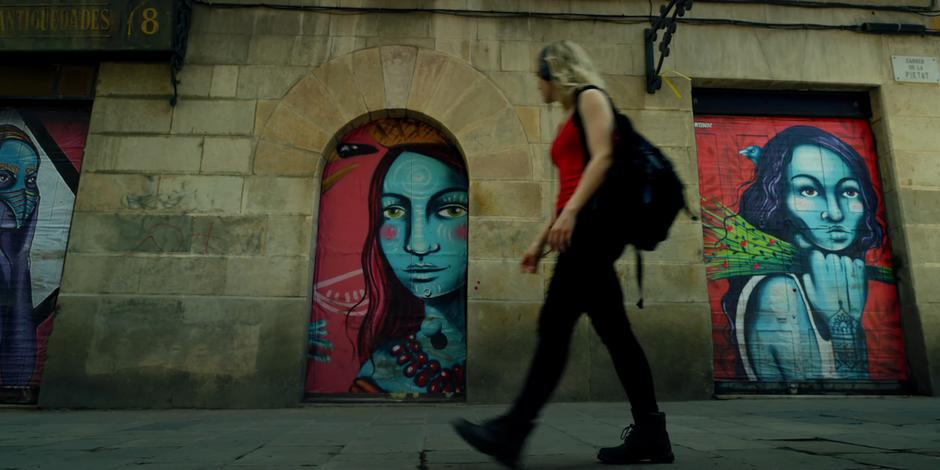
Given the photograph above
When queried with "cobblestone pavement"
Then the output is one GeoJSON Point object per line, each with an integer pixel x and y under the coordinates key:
{"type": "Point", "coordinates": [784, 433]}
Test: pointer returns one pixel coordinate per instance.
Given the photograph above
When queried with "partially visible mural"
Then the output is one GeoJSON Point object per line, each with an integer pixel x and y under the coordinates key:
{"type": "Point", "coordinates": [389, 310]}
{"type": "Point", "coordinates": [797, 253]}
{"type": "Point", "coordinates": [41, 151]}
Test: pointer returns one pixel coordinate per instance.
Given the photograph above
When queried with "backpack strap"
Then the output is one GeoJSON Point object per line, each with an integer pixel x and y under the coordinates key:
{"type": "Point", "coordinates": [579, 123]}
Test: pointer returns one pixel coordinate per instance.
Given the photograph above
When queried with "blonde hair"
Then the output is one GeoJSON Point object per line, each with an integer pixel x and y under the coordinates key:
{"type": "Point", "coordinates": [570, 67]}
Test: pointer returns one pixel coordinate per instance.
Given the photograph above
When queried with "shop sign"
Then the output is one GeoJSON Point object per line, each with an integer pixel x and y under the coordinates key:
{"type": "Point", "coordinates": [86, 26]}
{"type": "Point", "coordinates": [915, 69]}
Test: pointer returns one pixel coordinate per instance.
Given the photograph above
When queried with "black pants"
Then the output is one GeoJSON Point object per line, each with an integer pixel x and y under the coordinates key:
{"type": "Point", "coordinates": [585, 281]}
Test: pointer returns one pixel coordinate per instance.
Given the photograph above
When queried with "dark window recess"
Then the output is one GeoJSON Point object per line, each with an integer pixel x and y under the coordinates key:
{"type": "Point", "coordinates": [48, 81]}
{"type": "Point", "coordinates": [716, 101]}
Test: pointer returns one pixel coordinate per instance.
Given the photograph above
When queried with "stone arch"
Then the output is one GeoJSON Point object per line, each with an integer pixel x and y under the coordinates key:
{"type": "Point", "coordinates": [398, 81]}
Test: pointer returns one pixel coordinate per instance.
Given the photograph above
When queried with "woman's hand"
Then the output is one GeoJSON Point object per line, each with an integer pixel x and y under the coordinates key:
{"type": "Point", "coordinates": [559, 237]}
{"type": "Point", "coordinates": [531, 258]}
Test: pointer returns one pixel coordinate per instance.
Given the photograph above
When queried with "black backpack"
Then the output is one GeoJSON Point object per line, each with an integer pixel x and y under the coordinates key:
{"type": "Point", "coordinates": [641, 184]}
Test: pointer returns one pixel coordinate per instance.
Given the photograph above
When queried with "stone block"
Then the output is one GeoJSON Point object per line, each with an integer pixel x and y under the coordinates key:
{"type": "Point", "coordinates": [501, 337]}
{"type": "Point", "coordinates": [170, 353]}
{"type": "Point", "coordinates": [429, 66]}
{"type": "Point", "coordinates": [311, 50]}
{"type": "Point", "coordinates": [542, 167]}
{"type": "Point", "coordinates": [368, 78]}
{"type": "Point", "coordinates": [671, 282]}
{"type": "Point", "coordinates": [131, 115]}
{"type": "Point", "coordinates": [278, 22]}
{"type": "Point", "coordinates": [289, 127]}
{"type": "Point", "coordinates": [484, 55]}
{"type": "Point", "coordinates": [501, 239]}
{"type": "Point", "coordinates": [224, 81]}
{"type": "Point", "coordinates": [342, 45]}
{"type": "Point", "coordinates": [665, 128]}
{"type": "Point", "coordinates": [226, 155]}
{"type": "Point", "coordinates": [215, 49]}
{"type": "Point", "coordinates": [337, 77]}
{"type": "Point", "coordinates": [146, 154]}
{"type": "Point", "coordinates": [289, 236]}
{"type": "Point", "coordinates": [183, 275]}
{"type": "Point", "coordinates": [419, 43]}
{"type": "Point", "coordinates": [452, 27]}
{"type": "Point", "coordinates": [224, 117]}
{"type": "Point", "coordinates": [398, 65]}
{"type": "Point", "coordinates": [412, 25]}
{"type": "Point", "coordinates": [106, 192]}
{"type": "Point", "coordinates": [502, 280]}
{"type": "Point", "coordinates": [519, 87]}
{"type": "Point", "coordinates": [263, 112]}
{"type": "Point", "coordinates": [511, 164]}
{"type": "Point", "coordinates": [629, 93]}
{"type": "Point", "coordinates": [518, 56]}
{"type": "Point", "coordinates": [502, 131]}
{"type": "Point", "coordinates": [915, 168]}
{"type": "Point", "coordinates": [480, 101]}
{"type": "Point", "coordinates": [531, 122]}
{"type": "Point", "coordinates": [224, 21]}
{"type": "Point", "coordinates": [459, 48]}
{"type": "Point", "coordinates": [685, 243]}
{"type": "Point", "coordinates": [919, 206]}
{"type": "Point", "coordinates": [267, 82]}
{"type": "Point", "coordinates": [912, 101]}
{"type": "Point", "coordinates": [925, 279]}
{"type": "Point", "coordinates": [914, 133]}
{"type": "Point", "coordinates": [315, 23]}
{"type": "Point", "coordinates": [275, 195]}
{"type": "Point", "coordinates": [438, 92]}
{"type": "Point", "coordinates": [505, 199]}
{"type": "Point", "coordinates": [924, 243]}
{"type": "Point", "coordinates": [195, 80]}
{"type": "Point", "coordinates": [550, 123]}
{"type": "Point", "coordinates": [508, 29]}
{"type": "Point", "coordinates": [115, 78]}
{"type": "Point", "coordinates": [270, 49]}
{"type": "Point", "coordinates": [202, 194]}
{"type": "Point", "coordinates": [314, 102]}
{"type": "Point", "coordinates": [95, 274]}
{"type": "Point", "coordinates": [269, 276]}
{"type": "Point", "coordinates": [677, 342]}
{"type": "Point", "coordinates": [275, 159]}
{"type": "Point", "coordinates": [130, 233]}
{"type": "Point", "coordinates": [234, 236]}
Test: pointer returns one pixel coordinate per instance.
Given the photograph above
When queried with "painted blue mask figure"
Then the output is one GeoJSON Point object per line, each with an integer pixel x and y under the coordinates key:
{"type": "Point", "coordinates": [419, 215]}
{"type": "Point", "coordinates": [814, 191]}
{"type": "Point", "coordinates": [19, 198]}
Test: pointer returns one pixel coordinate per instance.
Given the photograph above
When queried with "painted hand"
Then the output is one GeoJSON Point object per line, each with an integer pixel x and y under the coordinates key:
{"type": "Point", "coordinates": [835, 284]}
{"type": "Point", "coordinates": [559, 238]}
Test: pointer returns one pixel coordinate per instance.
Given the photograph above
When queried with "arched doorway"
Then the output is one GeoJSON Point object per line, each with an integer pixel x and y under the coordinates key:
{"type": "Point", "coordinates": [388, 313]}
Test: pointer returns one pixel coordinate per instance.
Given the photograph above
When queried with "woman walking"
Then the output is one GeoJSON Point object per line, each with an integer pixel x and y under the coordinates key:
{"type": "Point", "coordinates": [587, 251]}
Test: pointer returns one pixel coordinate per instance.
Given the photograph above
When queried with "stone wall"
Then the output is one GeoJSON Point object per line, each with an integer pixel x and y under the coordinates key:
{"type": "Point", "coordinates": [187, 281]}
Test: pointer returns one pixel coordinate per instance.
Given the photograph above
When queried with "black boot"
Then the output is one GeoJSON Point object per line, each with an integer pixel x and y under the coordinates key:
{"type": "Point", "coordinates": [646, 440]}
{"type": "Point", "coordinates": [501, 437]}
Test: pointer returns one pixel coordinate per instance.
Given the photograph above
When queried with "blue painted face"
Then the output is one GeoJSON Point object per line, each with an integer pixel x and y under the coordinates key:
{"type": "Point", "coordinates": [424, 234]}
{"type": "Point", "coordinates": [19, 166]}
{"type": "Point", "coordinates": [825, 198]}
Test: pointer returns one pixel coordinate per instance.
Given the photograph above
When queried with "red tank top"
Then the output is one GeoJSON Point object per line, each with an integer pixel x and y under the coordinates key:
{"type": "Point", "coordinates": [568, 156]}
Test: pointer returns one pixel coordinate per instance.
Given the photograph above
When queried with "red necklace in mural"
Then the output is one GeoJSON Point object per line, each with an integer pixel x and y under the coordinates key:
{"type": "Point", "coordinates": [427, 372]}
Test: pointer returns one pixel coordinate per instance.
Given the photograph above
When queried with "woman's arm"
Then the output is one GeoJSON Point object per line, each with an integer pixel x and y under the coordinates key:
{"type": "Point", "coordinates": [597, 117]}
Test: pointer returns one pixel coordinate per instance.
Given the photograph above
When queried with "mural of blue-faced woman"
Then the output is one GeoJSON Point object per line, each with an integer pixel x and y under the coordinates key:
{"type": "Point", "coordinates": [813, 193]}
{"type": "Point", "coordinates": [413, 336]}
{"type": "Point", "coordinates": [19, 199]}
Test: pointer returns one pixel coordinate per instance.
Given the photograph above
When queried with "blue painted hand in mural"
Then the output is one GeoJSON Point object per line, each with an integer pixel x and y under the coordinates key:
{"type": "Point", "coordinates": [19, 197]}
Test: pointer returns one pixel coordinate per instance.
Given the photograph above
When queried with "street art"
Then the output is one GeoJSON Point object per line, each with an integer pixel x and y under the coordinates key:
{"type": "Point", "coordinates": [41, 151]}
{"type": "Point", "coordinates": [389, 308]}
{"type": "Point", "coordinates": [796, 249]}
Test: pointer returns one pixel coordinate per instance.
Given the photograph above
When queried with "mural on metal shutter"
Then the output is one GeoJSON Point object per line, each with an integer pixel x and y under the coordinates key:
{"type": "Point", "coordinates": [389, 309]}
{"type": "Point", "coordinates": [797, 252]}
{"type": "Point", "coordinates": [41, 153]}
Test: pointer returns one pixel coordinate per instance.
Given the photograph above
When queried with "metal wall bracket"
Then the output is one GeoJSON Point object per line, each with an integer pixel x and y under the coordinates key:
{"type": "Point", "coordinates": [667, 23]}
{"type": "Point", "coordinates": [183, 12]}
